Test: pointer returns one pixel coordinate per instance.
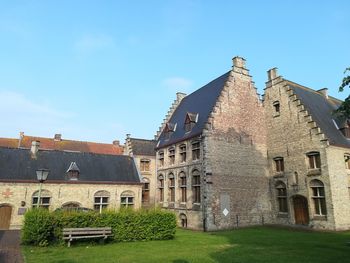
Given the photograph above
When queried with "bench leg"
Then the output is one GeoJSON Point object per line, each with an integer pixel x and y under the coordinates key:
{"type": "Point", "coordinates": [69, 242]}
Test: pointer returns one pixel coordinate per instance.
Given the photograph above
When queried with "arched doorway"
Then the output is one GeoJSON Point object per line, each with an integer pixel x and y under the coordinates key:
{"type": "Point", "coordinates": [183, 220]}
{"type": "Point", "coordinates": [5, 216]}
{"type": "Point", "coordinates": [301, 211]}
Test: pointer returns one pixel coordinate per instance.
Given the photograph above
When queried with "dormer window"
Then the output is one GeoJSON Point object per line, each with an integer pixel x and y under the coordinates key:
{"type": "Point", "coordinates": [73, 171]}
{"type": "Point", "coordinates": [276, 106]}
{"type": "Point", "coordinates": [190, 121]}
{"type": "Point", "coordinates": [169, 130]}
{"type": "Point", "coordinates": [345, 128]}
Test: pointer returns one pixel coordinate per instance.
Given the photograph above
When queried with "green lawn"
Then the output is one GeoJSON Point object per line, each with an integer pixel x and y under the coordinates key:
{"type": "Point", "coordinates": [258, 244]}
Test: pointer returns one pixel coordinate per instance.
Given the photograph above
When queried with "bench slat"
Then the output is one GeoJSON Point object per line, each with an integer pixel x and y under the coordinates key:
{"type": "Point", "coordinates": [86, 232]}
{"type": "Point", "coordinates": [87, 228]}
{"type": "Point", "coordinates": [79, 237]}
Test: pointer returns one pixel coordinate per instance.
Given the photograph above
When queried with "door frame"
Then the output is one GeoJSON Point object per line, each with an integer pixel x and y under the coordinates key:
{"type": "Point", "coordinates": [305, 209]}
{"type": "Point", "coordinates": [8, 205]}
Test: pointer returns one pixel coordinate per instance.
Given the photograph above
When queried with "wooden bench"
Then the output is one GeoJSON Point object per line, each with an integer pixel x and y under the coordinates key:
{"type": "Point", "coordinates": [87, 232]}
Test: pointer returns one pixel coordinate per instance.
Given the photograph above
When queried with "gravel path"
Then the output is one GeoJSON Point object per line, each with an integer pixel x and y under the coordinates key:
{"type": "Point", "coordinates": [10, 250]}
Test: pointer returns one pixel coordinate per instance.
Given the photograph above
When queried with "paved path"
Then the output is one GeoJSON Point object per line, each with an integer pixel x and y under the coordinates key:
{"type": "Point", "coordinates": [10, 251]}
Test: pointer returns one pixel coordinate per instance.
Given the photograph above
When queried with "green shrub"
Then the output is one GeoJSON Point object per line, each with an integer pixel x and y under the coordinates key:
{"type": "Point", "coordinates": [42, 227]}
{"type": "Point", "coordinates": [38, 227]}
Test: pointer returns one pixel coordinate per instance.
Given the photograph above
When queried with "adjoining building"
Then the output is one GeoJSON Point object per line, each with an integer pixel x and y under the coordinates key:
{"type": "Point", "coordinates": [86, 180]}
{"type": "Point", "coordinates": [144, 154]}
{"type": "Point", "coordinates": [226, 158]}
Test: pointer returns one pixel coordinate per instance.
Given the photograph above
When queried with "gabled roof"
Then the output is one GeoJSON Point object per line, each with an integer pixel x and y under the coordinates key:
{"type": "Point", "coordinates": [73, 167]}
{"type": "Point", "coordinates": [322, 112]}
{"type": "Point", "coordinates": [17, 165]}
{"type": "Point", "coordinates": [143, 147]}
{"type": "Point", "coordinates": [62, 145]}
{"type": "Point", "coordinates": [200, 102]}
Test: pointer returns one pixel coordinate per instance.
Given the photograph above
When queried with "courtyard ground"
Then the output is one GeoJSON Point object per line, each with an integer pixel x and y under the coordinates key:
{"type": "Point", "coordinates": [257, 244]}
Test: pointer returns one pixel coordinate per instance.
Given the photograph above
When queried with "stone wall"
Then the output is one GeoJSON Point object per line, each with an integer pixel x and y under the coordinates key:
{"type": "Point", "coordinates": [19, 196]}
{"type": "Point", "coordinates": [235, 179]}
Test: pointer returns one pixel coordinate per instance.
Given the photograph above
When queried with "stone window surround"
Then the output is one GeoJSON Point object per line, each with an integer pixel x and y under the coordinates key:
{"type": "Point", "coordinates": [279, 164]}
{"type": "Point", "coordinates": [319, 199]}
{"type": "Point", "coordinates": [161, 187]}
{"type": "Point", "coordinates": [45, 199]}
{"type": "Point", "coordinates": [282, 197]}
{"type": "Point", "coordinates": [145, 165]}
{"type": "Point", "coordinates": [101, 200]}
{"type": "Point", "coordinates": [127, 199]}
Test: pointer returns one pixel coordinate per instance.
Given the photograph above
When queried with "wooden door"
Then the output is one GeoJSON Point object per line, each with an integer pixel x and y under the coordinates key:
{"type": "Point", "coordinates": [301, 212]}
{"type": "Point", "coordinates": [5, 217]}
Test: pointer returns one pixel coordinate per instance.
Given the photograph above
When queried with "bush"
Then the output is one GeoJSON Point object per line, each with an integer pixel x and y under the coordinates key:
{"type": "Point", "coordinates": [44, 227]}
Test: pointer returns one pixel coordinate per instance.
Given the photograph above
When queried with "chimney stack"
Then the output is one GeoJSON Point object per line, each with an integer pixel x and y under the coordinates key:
{"type": "Point", "coordinates": [272, 74]}
{"type": "Point", "coordinates": [58, 137]}
{"type": "Point", "coordinates": [116, 143]}
{"type": "Point", "coordinates": [34, 149]}
{"type": "Point", "coordinates": [323, 92]}
{"type": "Point", "coordinates": [238, 62]}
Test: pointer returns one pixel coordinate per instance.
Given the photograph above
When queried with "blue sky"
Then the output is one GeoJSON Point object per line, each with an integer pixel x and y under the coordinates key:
{"type": "Point", "coordinates": [96, 70]}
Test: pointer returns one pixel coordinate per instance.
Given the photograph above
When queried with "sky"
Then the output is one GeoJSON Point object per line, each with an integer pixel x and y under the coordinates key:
{"type": "Point", "coordinates": [97, 70]}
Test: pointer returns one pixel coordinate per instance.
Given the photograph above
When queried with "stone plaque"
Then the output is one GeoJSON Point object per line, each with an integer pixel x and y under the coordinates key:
{"type": "Point", "coordinates": [22, 210]}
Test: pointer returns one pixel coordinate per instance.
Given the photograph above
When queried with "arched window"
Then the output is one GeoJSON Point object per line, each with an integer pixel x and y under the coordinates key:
{"type": "Point", "coordinates": [145, 191]}
{"type": "Point", "coordinates": [281, 192]}
{"type": "Point", "coordinates": [318, 197]}
{"type": "Point", "coordinates": [45, 198]}
{"type": "Point", "coordinates": [127, 199]}
{"type": "Point", "coordinates": [101, 200]}
{"type": "Point", "coordinates": [347, 160]}
{"type": "Point", "coordinates": [196, 186]}
{"type": "Point", "coordinates": [171, 188]}
{"type": "Point", "coordinates": [183, 187]}
{"type": "Point", "coordinates": [71, 206]}
{"type": "Point", "coordinates": [161, 187]}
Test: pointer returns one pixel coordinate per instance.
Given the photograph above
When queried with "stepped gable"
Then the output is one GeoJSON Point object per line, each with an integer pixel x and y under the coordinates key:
{"type": "Point", "coordinates": [322, 108]}
{"type": "Point", "coordinates": [200, 102]}
{"type": "Point", "coordinates": [18, 165]}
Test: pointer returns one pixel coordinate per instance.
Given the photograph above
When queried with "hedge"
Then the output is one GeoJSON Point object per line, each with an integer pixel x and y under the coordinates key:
{"type": "Point", "coordinates": [42, 227]}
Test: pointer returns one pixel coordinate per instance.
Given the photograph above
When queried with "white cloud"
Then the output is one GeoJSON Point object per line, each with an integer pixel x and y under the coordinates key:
{"type": "Point", "coordinates": [177, 84]}
{"type": "Point", "coordinates": [18, 113]}
{"type": "Point", "coordinates": [90, 43]}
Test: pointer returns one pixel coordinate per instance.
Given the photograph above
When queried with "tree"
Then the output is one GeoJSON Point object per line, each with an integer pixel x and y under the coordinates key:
{"type": "Point", "coordinates": [344, 109]}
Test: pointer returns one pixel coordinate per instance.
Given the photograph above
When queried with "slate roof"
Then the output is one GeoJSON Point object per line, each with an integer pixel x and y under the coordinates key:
{"type": "Point", "coordinates": [17, 165]}
{"type": "Point", "coordinates": [200, 102]}
{"type": "Point", "coordinates": [143, 147]}
{"type": "Point", "coordinates": [61, 145]}
{"type": "Point", "coordinates": [321, 110]}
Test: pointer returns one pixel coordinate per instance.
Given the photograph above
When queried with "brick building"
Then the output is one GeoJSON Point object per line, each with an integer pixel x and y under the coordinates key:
{"type": "Point", "coordinates": [226, 158]}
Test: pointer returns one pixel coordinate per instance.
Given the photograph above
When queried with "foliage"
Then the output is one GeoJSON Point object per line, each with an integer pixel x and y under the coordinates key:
{"type": "Point", "coordinates": [44, 227]}
{"type": "Point", "coordinates": [344, 109]}
{"type": "Point", "coordinates": [257, 244]}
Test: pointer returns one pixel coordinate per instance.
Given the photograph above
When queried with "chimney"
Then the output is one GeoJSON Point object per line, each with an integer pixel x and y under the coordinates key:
{"type": "Point", "coordinates": [34, 149]}
{"type": "Point", "coordinates": [180, 96]}
{"type": "Point", "coordinates": [21, 135]}
{"type": "Point", "coordinates": [272, 74]}
{"type": "Point", "coordinates": [238, 62]}
{"type": "Point", "coordinates": [58, 137]}
{"type": "Point", "coordinates": [323, 92]}
{"type": "Point", "coordinates": [116, 143]}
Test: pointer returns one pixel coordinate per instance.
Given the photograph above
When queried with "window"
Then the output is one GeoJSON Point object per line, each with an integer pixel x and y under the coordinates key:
{"type": "Point", "coordinates": [171, 188]}
{"type": "Point", "coordinates": [183, 219]}
{"type": "Point", "coordinates": [182, 153]}
{"type": "Point", "coordinates": [161, 158]}
{"type": "Point", "coordinates": [318, 196]}
{"type": "Point", "coordinates": [101, 200]}
{"type": "Point", "coordinates": [347, 161]}
{"type": "Point", "coordinates": [196, 186]}
{"type": "Point", "coordinates": [195, 151]}
{"type": "Point", "coordinates": [276, 106]}
{"type": "Point", "coordinates": [45, 198]}
{"type": "Point", "coordinates": [345, 128]}
{"type": "Point", "coordinates": [73, 171]}
{"type": "Point", "coordinates": [169, 129]}
{"type": "Point", "coordinates": [171, 155]}
{"type": "Point", "coordinates": [145, 191]}
{"type": "Point", "coordinates": [71, 206]}
{"type": "Point", "coordinates": [279, 164]}
{"type": "Point", "coordinates": [314, 160]}
{"type": "Point", "coordinates": [161, 187]}
{"type": "Point", "coordinates": [127, 199]}
{"type": "Point", "coordinates": [145, 165]}
{"type": "Point", "coordinates": [281, 191]}
{"type": "Point", "coordinates": [183, 187]}
{"type": "Point", "coordinates": [190, 121]}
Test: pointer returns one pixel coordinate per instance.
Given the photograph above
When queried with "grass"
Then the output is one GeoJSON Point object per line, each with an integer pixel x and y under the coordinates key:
{"type": "Point", "coordinates": [257, 244]}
